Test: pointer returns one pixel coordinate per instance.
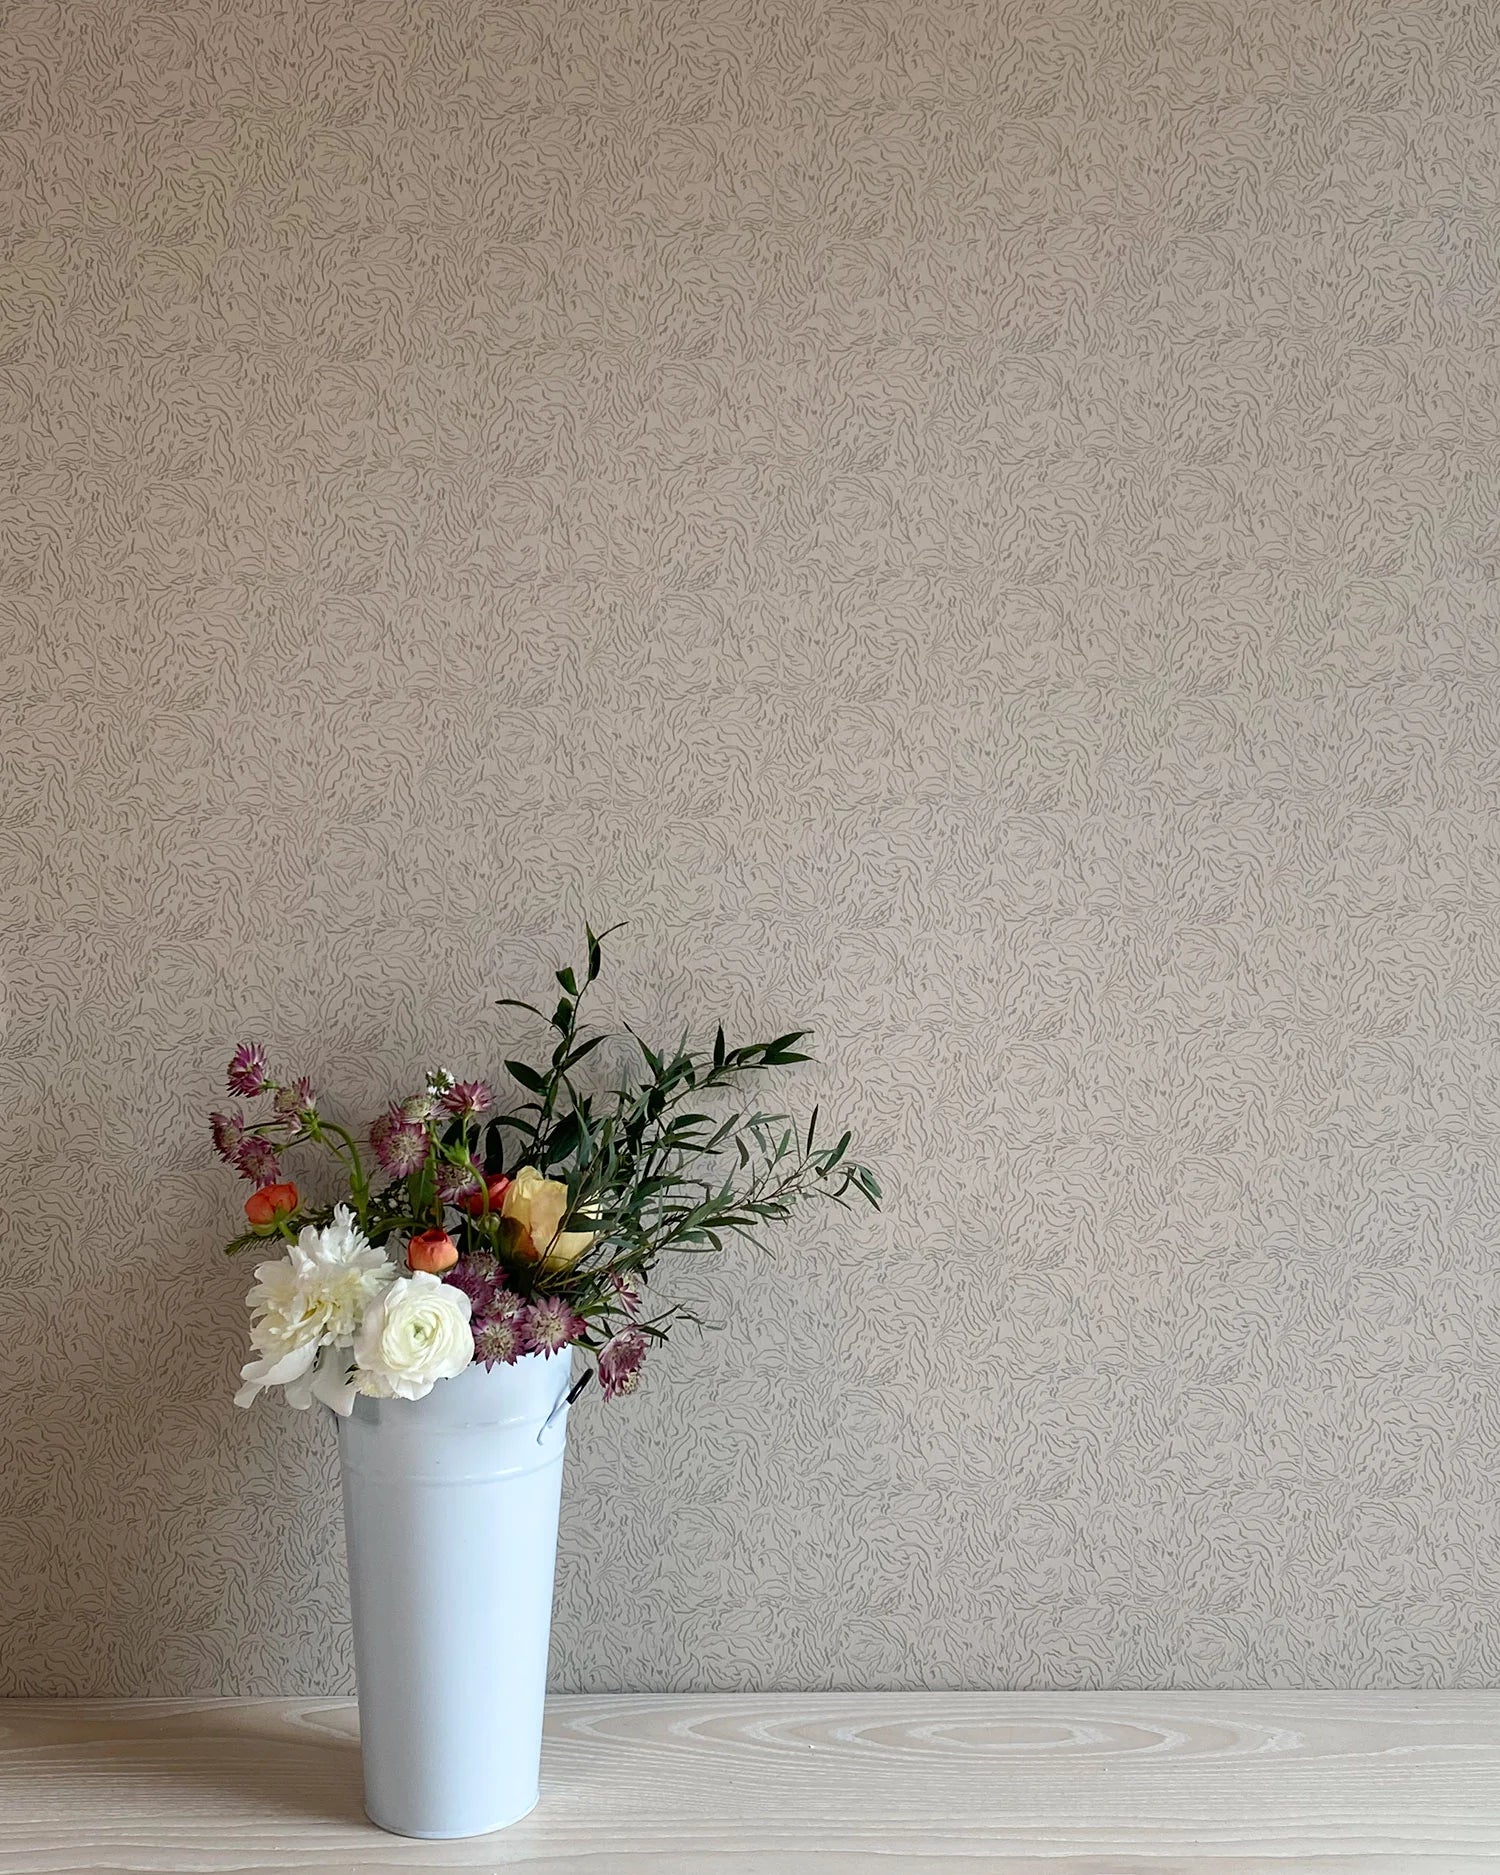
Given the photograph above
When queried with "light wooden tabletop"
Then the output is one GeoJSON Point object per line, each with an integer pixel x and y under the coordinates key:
{"type": "Point", "coordinates": [827, 1784]}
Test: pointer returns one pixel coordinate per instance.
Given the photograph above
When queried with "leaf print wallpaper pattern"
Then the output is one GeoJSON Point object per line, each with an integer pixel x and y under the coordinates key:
{"type": "Point", "coordinates": [972, 523]}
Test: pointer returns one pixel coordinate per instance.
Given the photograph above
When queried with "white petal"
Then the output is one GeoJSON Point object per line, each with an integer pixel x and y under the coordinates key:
{"type": "Point", "coordinates": [289, 1368]}
{"type": "Point", "coordinates": [299, 1392]}
{"type": "Point", "coordinates": [267, 1373]}
{"type": "Point", "coordinates": [333, 1383]}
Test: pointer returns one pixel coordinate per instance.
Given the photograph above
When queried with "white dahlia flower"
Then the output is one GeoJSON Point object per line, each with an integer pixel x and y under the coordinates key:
{"type": "Point", "coordinates": [313, 1299]}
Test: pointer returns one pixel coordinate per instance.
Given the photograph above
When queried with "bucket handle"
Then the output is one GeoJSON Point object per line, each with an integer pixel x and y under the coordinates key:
{"type": "Point", "coordinates": [565, 1399]}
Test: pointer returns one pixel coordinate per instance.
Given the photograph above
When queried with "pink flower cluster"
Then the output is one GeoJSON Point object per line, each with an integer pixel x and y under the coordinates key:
{"type": "Point", "coordinates": [467, 1099]}
{"type": "Point", "coordinates": [247, 1070]}
{"type": "Point", "coordinates": [620, 1362]}
{"type": "Point", "coordinates": [399, 1142]}
{"type": "Point", "coordinates": [246, 1148]}
{"type": "Point", "coordinates": [505, 1327]}
{"type": "Point", "coordinates": [399, 1137]}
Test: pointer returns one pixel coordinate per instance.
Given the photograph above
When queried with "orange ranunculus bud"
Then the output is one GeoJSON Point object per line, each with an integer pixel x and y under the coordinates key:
{"type": "Point", "coordinates": [497, 1184]}
{"type": "Point", "coordinates": [268, 1206]}
{"type": "Point", "coordinates": [433, 1251]}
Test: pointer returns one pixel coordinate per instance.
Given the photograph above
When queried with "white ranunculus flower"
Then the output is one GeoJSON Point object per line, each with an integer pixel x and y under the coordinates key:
{"type": "Point", "coordinates": [415, 1334]}
{"type": "Point", "coordinates": [312, 1298]}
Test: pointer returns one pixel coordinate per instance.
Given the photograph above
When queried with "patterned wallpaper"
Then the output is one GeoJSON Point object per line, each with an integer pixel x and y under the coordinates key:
{"type": "Point", "coordinates": [974, 524]}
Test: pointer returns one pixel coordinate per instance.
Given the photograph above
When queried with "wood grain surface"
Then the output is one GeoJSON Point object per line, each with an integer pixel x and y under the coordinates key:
{"type": "Point", "coordinates": [1070, 1784]}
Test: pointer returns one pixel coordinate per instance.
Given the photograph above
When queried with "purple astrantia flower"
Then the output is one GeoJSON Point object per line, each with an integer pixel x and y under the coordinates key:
{"type": "Point", "coordinates": [418, 1110]}
{"type": "Point", "coordinates": [482, 1281]}
{"type": "Point", "coordinates": [626, 1293]}
{"type": "Point", "coordinates": [551, 1323]}
{"type": "Point", "coordinates": [293, 1101]}
{"type": "Point", "coordinates": [466, 1098]}
{"type": "Point", "coordinates": [247, 1070]}
{"type": "Point", "coordinates": [228, 1130]}
{"type": "Point", "coordinates": [500, 1339]}
{"type": "Point", "coordinates": [454, 1182]}
{"type": "Point", "coordinates": [399, 1146]}
{"type": "Point", "coordinates": [256, 1159]}
{"type": "Point", "coordinates": [620, 1362]}
{"type": "Point", "coordinates": [497, 1316]}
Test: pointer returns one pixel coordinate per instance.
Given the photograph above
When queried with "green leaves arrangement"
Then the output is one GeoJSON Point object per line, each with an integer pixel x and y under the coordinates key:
{"type": "Point", "coordinates": [647, 1168]}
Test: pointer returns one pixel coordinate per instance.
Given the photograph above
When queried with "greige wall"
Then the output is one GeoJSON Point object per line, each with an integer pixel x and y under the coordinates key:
{"type": "Point", "coordinates": [974, 525]}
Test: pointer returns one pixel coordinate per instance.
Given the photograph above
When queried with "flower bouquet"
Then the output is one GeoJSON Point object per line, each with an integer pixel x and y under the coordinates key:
{"type": "Point", "coordinates": [479, 1246]}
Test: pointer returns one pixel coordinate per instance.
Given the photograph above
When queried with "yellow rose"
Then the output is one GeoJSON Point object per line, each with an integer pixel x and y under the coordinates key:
{"type": "Point", "coordinates": [537, 1204]}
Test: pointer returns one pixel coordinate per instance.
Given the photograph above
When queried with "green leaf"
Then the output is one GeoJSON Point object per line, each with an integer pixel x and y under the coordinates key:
{"type": "Point", "coordinates": [584, 1048]}
{"type": "Point", "coordinates": [729, 1126]}
{"type": "Point", "coordinates": [568, 982]}
{"type": "Point", "coordinates": [595, 941]}
{"type": "Point", "coordinates": [564, 1138]}
{"type": "Point", "coordinates": [528, 1077]}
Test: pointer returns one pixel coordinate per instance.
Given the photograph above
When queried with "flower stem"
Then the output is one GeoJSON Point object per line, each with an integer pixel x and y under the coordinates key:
{"type": "Point", "coordinates": [357, 1177]}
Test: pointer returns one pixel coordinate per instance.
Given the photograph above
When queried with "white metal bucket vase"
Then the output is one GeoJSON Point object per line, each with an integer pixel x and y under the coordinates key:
{"type": "Point", "coordinates": [450, 1515]}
